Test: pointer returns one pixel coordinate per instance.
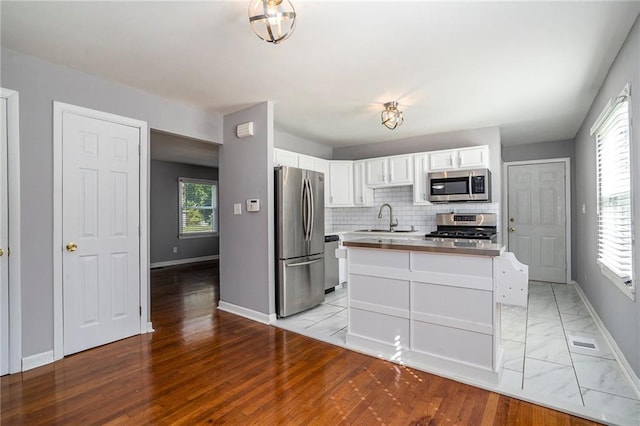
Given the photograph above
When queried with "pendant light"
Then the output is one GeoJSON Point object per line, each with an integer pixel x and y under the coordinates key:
{"type": "Point", "coordinates": [272, 20]}
{"type": "Point", "coordinates": [391, 116]}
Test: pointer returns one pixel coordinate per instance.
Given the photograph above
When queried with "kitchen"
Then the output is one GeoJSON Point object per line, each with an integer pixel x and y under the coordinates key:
{"type": "Point", "coordinates": [251, 291]}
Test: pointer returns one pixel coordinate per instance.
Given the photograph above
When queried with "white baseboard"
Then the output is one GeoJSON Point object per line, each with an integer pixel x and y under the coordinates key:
{"type": "Point", "coordinates": [37, 360]}
{"type": "Point", "coordinates": [245, 312]}
{"type": "Point", "coordinates": [617, 352]}
{"type": "Point", "coordinates": [183, 261]}
{"type": "Point", "coordinates": [149, 328]}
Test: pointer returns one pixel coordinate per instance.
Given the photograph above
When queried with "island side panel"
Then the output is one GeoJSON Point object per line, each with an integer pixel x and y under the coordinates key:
{"type": "Point", "coordinates": [435, 311]}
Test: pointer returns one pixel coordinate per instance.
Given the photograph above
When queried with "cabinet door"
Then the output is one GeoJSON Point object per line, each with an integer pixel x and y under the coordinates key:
{"type": "Point", "coordinates": [320, 165]}
{"type": "Point", "coordinates": [376, 171]}
{"type": "Point", "coordinates": [442, 160]}
{"type": "Point", "coordinates": [421, 168]}
{"type": "Point", "coordinates": [284, 158]}
{"type": "Point", "coordinates": [362, 194]}
{"type": "Point", "coordinates": [340, 183]}
{"type": "Point", "coordinates": [400, 170]}
{"type": "Point", "coordinates": [475, 157]}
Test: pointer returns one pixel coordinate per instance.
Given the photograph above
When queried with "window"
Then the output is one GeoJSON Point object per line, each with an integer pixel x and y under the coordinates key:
{"type": "Point", "coordinates": [613, 157]}
{"type": "Point", "coordinates": [198, 207]}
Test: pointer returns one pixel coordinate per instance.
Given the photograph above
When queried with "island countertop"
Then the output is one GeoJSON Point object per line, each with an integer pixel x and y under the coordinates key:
{"type": "Point", "coordinates": [473, 248]}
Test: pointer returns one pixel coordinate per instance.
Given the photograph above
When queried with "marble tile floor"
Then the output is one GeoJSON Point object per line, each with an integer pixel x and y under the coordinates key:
{"type": "Point", "coordinates": [540, 362]}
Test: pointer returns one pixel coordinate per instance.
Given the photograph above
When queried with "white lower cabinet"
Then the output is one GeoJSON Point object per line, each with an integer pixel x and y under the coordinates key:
{"type": "Point", "coordinates": [437, 310]}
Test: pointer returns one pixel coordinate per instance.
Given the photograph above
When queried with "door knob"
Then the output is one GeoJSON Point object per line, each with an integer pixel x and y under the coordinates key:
{"type": "Point", "coordinates": [512, 229]}
{"type": "Point", "coordinates": [1, 252]}
{"type": "Point", "coordinates": [72, 247]}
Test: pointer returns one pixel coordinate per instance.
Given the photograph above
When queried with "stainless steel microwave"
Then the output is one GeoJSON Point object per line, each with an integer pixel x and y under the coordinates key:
{"type": "Point", "coordinates": [460, 185]}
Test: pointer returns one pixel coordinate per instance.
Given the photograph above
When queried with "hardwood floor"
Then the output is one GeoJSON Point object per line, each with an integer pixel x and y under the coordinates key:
{"type": "Point", "coordinates": [205, 366]}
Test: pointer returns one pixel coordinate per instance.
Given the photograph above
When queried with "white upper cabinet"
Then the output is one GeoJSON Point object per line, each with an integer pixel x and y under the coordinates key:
{"type": "Point", "coordinates": [462, 158]}
{"type": "Point", "coordinates": [362, 194]}
{"type": "Point", "coordinates": [285, 158]}
{"type": "Point", "coordinates": [420, 171]}
{"type": "Point", "coordinates": [389, 171]}
{"type": "Point", "coordinates": [340, 185]}
{"type": "Point", "coordinates": [474, 157]}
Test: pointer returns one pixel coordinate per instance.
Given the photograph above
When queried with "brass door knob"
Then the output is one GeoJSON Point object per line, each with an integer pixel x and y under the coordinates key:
{"type": "Point", "coordinates": [1, 252]}
{"type": "Point", "coordinates": [512, 229]}
{"type": "Point", "coordinates": [72, 247]}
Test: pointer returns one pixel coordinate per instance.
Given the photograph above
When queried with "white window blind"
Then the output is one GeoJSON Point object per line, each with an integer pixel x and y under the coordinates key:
{"type": "Point", "coordinates": [615, 244]}
{"type": "Point", "coordinates": [198, 207]}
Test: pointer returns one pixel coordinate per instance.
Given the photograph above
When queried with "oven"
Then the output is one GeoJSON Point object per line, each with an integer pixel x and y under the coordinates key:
{"type": "Point", "coordinates": [465, 226]}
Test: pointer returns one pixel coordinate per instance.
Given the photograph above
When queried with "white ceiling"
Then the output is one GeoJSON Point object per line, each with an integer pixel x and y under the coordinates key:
{"type": "Point", "coordinates": [532, 68]}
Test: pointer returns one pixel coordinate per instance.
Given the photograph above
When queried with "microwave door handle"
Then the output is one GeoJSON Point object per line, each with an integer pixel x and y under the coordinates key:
{"type": "Point", "coordinates": [437, 186]}
{"type": "Point", "coordinates": [471, 186]}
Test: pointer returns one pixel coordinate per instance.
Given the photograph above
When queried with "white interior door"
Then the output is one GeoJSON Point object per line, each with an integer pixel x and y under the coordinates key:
{"type": "Point", "coordinates": [100, 231]}
{"type": "Point", "coordinates": [537, 219]}
{"type": "Point", "coordinates": [4, 242]}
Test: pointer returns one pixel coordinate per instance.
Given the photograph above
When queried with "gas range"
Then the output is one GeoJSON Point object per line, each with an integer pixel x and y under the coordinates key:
{"type": "Point", "coordinates": [468, 226]}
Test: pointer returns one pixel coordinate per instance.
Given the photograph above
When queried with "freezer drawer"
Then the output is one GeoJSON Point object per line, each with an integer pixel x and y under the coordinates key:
{"type": "Point", "coordinates": [300, 284]}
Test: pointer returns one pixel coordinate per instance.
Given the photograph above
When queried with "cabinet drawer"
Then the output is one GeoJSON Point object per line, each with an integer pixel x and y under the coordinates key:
{"type": "Point", "coordinates": [460, 345]}
{"type": "Point", "coordinates": [384, 328]}
{"type": "Point", "coordinates": [379, 291]}
{"type": "Point", "coordinates": [460, 304]}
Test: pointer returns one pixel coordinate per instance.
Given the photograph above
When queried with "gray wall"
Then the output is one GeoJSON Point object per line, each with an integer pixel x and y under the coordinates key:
{"type": "Point", "coordinates": [544, 151]}
{"type": "Point", "coordinates": [246, 240]}
{"type": "Point", "coordinates": [164, 213]}
{"type": "Point", "coordinates": [39, 84]}
{"type": "Point", "coordinates": [464, 138]}
{"type": "Point", "coordinates": [620, 315]}
{"type": "Point", "coordinates": [302, 146]}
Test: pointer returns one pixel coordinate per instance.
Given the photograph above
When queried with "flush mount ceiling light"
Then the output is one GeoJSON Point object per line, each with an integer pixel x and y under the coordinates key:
{"type": "Point", "coordinates": [272, 20]}
{"type": "Point", "coordinates": [391, 116]}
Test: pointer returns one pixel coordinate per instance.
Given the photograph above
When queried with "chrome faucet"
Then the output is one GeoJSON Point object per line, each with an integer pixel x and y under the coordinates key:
{"type": "Point", "coordinates": [392, 224]}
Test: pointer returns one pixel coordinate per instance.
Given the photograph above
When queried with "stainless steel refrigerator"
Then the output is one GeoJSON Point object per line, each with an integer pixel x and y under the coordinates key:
{"type": "Point", "coordinates": [299, 204]}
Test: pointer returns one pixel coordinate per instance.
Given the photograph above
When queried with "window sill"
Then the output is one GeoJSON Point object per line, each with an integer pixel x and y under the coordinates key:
{"type": "Point", "coordinates": [630, 292]}
{"type": "Point", "coordinates": [200, 235]}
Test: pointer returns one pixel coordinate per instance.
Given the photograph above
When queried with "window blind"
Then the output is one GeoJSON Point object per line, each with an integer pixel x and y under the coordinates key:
{"type": "Point", "coordinates": [615, 254]}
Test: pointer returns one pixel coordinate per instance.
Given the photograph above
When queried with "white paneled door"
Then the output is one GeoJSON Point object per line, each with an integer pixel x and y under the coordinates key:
{"type": "Point", "coordinates": [4, 243]}
{"type": "Point", "coordinates": [100, 231]}
{"type": "Point", "coordinates": [537, 219]}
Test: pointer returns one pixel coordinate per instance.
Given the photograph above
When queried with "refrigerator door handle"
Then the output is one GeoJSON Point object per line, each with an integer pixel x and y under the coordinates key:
{"type": "Point", "coordinates": [311, 209]}
{"type": "Point", "coordinates": [305, 212]}
{"type": "Point", "coordinates": [309, 262]}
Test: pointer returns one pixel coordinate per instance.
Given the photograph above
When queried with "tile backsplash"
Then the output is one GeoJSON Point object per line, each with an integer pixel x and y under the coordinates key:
{"type": "Point", "coordinates": [423, 218]}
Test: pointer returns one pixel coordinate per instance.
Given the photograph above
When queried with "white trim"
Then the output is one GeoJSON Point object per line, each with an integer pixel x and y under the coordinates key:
{"type": "Point", "coordinates": [58, 109]}
{"type": "Point", "coordinates": [13, 178]}
{"type": "Point", "coordinates": [604, 113]}
{"type": "Point", "coordinates": [37, 360]}
{"type": "Point", "coordinates": [245, 312]}
{"type": "Point", "coordinates": [184, 261]}
{"type": "Point", "coordinates": [567, 210]}
{"type": "Point", "coordinates": [617, 352]}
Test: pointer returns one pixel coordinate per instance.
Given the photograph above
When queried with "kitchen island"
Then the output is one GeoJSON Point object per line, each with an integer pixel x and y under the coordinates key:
{"type": "Point", "coordinates": [432, 305]}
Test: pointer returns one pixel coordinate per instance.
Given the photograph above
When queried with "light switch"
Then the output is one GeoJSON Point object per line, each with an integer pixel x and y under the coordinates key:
{"type": "Point", "coordinates": [253, 205]}
{"type": "Point", "coordinates": [237, 208]}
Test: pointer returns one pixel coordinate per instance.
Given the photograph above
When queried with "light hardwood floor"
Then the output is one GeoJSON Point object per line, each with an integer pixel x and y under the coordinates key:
{"type": "Point", "coordinates": [203, 366]}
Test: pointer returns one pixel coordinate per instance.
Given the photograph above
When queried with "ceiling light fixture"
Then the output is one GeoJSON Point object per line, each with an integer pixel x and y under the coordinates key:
{"type": "Point", "coordinates": [391, 116]}
{"type": "Point", "coordinates": [272, 20]}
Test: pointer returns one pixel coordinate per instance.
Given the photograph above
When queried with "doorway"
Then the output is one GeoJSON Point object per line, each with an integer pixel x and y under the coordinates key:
{"type": "Point", "coordinates": [100, 228]}
{"type": "Point", "coordinates": [10, 295]}
{"type": "Point", "coordinates": [538, 217]}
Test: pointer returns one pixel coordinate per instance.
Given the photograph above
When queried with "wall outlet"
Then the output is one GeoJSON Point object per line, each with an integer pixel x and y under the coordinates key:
{"type": "Point", "coordinates": [175, 249]}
